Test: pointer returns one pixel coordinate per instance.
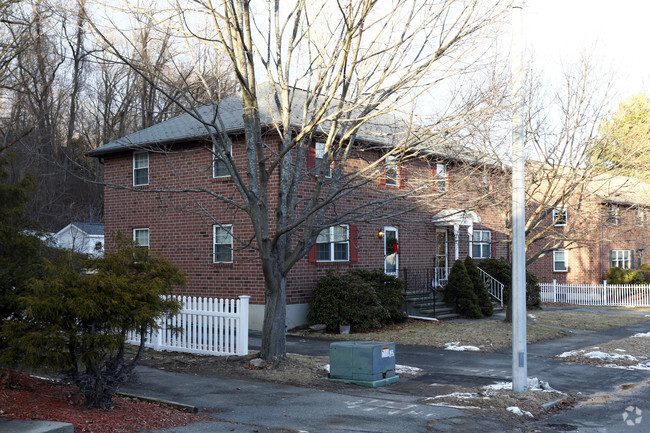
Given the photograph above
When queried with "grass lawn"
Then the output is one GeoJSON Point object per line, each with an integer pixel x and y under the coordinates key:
{"type": "Point", "coordinates": [490, 335]}
{"type": "Point", "coordinates": [585, 320]}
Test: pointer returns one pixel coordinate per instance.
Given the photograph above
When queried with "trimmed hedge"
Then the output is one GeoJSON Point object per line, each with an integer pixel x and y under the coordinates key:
{"type": "Point", "coordinates": [484, 298]}
{"type": "Point", "coordinates": [362, 299]}
{"type": "Point", "coordinates": [459, 292]}
{"type": "Point", "coordinates": [501, 269]}
{"type": "Point", "coordinates": [616, 275]}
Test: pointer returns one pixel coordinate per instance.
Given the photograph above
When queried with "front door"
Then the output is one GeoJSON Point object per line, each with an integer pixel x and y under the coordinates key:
{"type": "Point", "coordinates": [441, 257]}
{"type": "Point", "coordinates": [391, 251]}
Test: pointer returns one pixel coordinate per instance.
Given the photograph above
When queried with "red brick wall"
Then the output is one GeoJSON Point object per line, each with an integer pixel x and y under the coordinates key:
{"type": "Point", "coordinates": [180, 224]}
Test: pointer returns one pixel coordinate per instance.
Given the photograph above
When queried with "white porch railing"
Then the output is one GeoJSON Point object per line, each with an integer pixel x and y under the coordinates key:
{"type": "Point", "coordinates": [494, 287]}
{"type": "Point", "coordinates": [625, 295]}
{"type": "Point", "coordinates": [207, 326]}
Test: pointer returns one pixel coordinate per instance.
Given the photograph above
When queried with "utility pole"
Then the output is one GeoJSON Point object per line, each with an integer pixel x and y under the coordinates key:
{"type": "Point", "coordinates": [519, 351]}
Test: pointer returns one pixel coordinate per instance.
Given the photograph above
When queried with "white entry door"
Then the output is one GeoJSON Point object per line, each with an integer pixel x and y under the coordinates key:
{"type": "Point", "coordinates": [391, 251]}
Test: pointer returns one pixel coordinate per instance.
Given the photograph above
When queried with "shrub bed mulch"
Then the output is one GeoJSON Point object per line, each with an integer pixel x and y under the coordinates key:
{"type": "Point", "coordinates": [30, 398]}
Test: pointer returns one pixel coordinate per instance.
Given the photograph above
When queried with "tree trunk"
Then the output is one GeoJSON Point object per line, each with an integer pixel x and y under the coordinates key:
{"type": "Point", "coordinates": [275, 313]}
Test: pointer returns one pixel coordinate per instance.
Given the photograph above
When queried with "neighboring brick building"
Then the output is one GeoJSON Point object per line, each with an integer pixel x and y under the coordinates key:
{"type": "Point", "coordinates": [157, 181]}
{"type": "Point", "coordinates": [612, 230]}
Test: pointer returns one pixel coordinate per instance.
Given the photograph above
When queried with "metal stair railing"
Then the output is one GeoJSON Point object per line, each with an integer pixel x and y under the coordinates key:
{"type": "Point", "coordinates": [494, 286]}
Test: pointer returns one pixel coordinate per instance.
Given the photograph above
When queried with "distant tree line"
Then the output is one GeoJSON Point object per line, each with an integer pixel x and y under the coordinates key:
{"type": "Point", "coordinates": [62, 94]}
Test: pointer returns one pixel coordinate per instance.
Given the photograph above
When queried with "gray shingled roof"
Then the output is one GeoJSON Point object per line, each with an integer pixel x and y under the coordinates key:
{"type": "Point", "coordinates": [383, 129]}
{"type": "Point", "coordinates": [92, 229]}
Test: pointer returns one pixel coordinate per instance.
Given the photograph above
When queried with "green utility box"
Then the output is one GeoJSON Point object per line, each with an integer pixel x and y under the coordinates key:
{"type": "Point", "coordinates": [366, 363]}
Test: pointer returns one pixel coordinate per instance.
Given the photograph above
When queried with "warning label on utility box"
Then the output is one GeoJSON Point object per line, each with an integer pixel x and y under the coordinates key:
{"type": "Point", "coordinates": [386, 352]}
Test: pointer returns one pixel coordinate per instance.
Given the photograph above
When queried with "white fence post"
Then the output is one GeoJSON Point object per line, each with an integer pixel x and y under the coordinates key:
{"type": "Point", "coordinates": [604, 302]}
{"type": "Point", "coordinates": [242, 329]}
{"type": "Point", "coordinates": [554, 290]}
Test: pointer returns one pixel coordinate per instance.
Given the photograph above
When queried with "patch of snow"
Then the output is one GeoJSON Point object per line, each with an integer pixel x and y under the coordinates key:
{"type": "Point", "coordinates": [641, 334]}
{"type": "Point", "coordinates": [405, 369]}
{"type": "Point", "coordinates": [597, 354]}
{"type": "Point", "coordinates": [534, 384]}
{"type": "Point", "coordinates": [619, 350]}
{"type": "Point", "coordinates": [453, 406]}
{"type": "Point", "coordinates": [567, 354]}
{"type": "Point", "coordinates": [399, 369]}
{"type": "Point", "coordinates": [458, 395]}
{"type": "Point", "coordinates": [517, 411]}
{"type": "Point", "coordinates": [532, 316]}
{"type": "Point", "coordinates": [455, 346]}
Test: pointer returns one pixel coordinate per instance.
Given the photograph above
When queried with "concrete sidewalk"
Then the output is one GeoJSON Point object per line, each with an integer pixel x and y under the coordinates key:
{"type": "Point", "coordinates": [246, 406]}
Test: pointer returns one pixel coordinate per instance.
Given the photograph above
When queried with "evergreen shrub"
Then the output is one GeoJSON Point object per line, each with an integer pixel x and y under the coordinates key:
{"type": "Point", "coordinates": [459, 292]}
{"type": "Point", "coordinates": [484, 298]}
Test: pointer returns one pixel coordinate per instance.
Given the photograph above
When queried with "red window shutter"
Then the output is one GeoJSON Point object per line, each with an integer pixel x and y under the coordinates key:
{"type": "Point", "coordinates": [494, 243]}
{"type": "Point", "coordinates": [311, 255]}
{"type": "Point", "coordinates": [354, 243]}
{"type": "Point", "coordinates": [311, 156]}
{"type": "Point", "coordinates": [402, 176]}
{"type": "Point", "coordinates": [434, 176]}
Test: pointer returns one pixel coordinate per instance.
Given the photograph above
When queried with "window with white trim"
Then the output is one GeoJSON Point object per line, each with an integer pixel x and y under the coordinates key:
{"type": "Point", "coordinates": [140, 168]}
{"type": "Point", "coordinates": [560, 261]}
{"type": "Point", "coordinates": [320, 155]}
{"type": "Point", "coordinates": [639, 217]}
{"type": "Point", "coordinates": [219, 167]}
{"type": "Point", "coordinates": [560, 216]}
{"type": "Point", "coordinates": [222, 243]}
{"type": "Point", "coordinates": [141, 242]}
{"type": "Point", "coordinates": [392, 173]}
{"type": "Point", "coordinates": [482, 244]}
{"type": "Point", "coordinates": [333, 244]}
{"type": "Point", "coordinates": [613, 215]}
{"type": "Point", "coordinates": [441, 177]}
{"type": "Point", "coordinates": [620, 259]}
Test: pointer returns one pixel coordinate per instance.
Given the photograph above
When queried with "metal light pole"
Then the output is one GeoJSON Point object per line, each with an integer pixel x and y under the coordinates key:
{"type": "Point", "coordinates": [519, 351]}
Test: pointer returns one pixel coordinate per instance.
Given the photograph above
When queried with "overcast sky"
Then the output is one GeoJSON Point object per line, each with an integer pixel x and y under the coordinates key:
{"type": "Point", "coordinates": [617, 32]}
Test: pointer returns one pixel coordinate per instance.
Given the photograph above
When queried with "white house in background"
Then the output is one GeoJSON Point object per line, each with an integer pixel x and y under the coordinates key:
{"type": "Point", "coordinates": [83, 238]}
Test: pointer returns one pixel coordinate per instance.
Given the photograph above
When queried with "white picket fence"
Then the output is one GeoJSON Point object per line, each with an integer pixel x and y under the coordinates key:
{"type": "Point", "coordinates": [207, 326]}
{"type": "Point", "coordinates": [614, 295]}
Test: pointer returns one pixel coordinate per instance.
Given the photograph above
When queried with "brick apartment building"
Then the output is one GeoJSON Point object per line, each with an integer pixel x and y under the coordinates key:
{"type": "Point", "coordinates": [145, 172]}
{"type": "Point", "coordinates": [161, 181]}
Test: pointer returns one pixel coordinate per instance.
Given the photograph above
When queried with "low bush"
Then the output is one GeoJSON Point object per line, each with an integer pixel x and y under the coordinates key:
{"type": "Point", "coordinates": [362, 299]}
{"type": "Point", "coordinates": [501, 269]}
{"type": "Point", "coordinates": [484, 298]}
{"type": "Point", "coordinates": [459, 292]}
{"type": "Point", "coordinates": [390, 291]}
{"type": "Point", "coordinates": [616, 275]}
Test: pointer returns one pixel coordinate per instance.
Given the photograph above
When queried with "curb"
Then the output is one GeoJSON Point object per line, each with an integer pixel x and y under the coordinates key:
{"type": "Point", "coordinates": [175, 405]}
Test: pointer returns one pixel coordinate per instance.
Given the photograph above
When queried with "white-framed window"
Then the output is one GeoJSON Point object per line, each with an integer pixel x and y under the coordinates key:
{"type": "Point", "coordinates": [441, 177]}
{"type": "Point", "coordinates": [333, 244]}
{"type": "Point", "coordinates": [392, 172]}
{"type": "Point", "coordinates": [219, 167]}
{"type": "Point", "coordinates": [140, 168]}
{"type": "Point", "coordinates": [481, 244]}
{"type": "Point", "coordinates": [613, 215]}
{"type": "Point", "coordinates": [639, 217]}
{"type": "Point", "coordinates": [620, 259]}
{"type": "Point", "coordinates": [560, 216]}
{"type": "Point", "coordinates": [560, 261]}
{"type": "Point", "coordinates": [222, 243]}
{"type": "Point", "coordinates": [320, 155]}
{"type": "Point", "coordinates": [141, 242]}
